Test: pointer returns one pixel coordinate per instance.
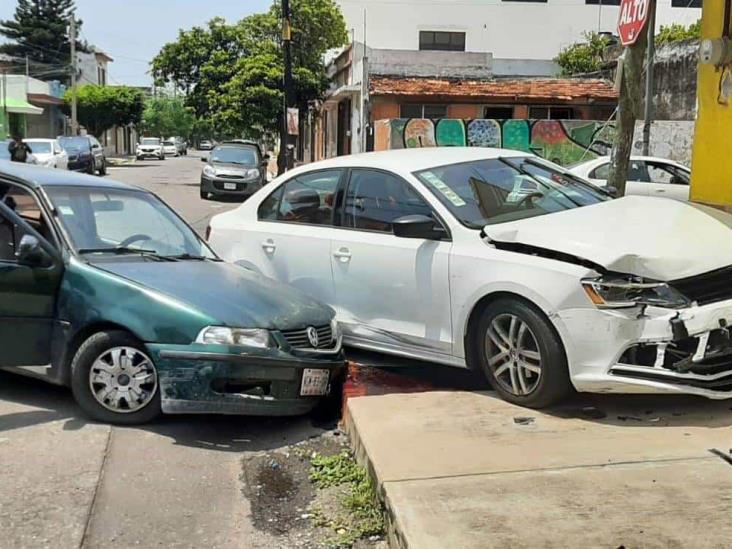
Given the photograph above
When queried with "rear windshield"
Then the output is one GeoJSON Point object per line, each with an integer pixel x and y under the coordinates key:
{"type": "Point", "coordinates": [240, 154]}
{"type": "Point", "coordinates": [73, 142]}
{"type": "Point", "coordinates": [40, 146]}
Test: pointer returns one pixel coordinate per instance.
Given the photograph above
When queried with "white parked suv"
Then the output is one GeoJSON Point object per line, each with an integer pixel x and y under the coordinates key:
{"type": "Point", "coordinates": [150, 147]}
{"type": "Point", "coordinates": [503, 262]}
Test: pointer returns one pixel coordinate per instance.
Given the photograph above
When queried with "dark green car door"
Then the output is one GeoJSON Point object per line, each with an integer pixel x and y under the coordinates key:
{"type": "Point", "coordinates": [30, 276]}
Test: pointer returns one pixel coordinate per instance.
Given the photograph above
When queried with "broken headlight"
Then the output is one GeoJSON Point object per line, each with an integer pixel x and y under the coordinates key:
{"type": "Point", "coordinates": [618, 292]}
{"type": "Point", "coordinates": [246, 337]}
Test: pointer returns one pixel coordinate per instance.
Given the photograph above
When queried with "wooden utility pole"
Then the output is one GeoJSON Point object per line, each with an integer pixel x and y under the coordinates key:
{"type": "Point", "coordinates": [285, 160]}
{"type": "Point", "coordinates": [630, 108]}
{"type": "Point", "coordinates": [72, 39]}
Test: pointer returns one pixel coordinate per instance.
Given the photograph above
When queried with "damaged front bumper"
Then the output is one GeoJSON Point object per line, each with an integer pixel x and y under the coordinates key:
{"type": "Point", "coordinates": [658, 350]}
{"type": "Point", "coordinates": [218, 379]}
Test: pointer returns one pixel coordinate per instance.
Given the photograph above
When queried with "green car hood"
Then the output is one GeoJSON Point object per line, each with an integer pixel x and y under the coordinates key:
{"type": "Point", "coordinates": [228, 293]}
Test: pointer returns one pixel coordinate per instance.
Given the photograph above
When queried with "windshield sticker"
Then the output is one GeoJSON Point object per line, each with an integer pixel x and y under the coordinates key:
{"type": "Point", "coordinates": [446, 191]}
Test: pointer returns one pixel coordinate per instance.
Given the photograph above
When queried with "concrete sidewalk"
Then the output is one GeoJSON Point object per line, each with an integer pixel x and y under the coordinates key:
{"type": "Point", "coordinates": [467, 470]}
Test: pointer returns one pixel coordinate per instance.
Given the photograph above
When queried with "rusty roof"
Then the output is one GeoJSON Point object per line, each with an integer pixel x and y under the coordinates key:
{"type": "Point", "coordinates": [526, 89]}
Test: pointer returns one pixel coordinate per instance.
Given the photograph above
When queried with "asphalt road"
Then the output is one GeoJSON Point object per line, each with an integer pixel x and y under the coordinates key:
{"type": "Point", "coordinates": [67, 482]}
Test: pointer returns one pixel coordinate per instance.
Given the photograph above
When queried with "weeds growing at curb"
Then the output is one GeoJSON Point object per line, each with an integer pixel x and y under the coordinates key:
{"type": "Point", "coordinates": [359, 514]}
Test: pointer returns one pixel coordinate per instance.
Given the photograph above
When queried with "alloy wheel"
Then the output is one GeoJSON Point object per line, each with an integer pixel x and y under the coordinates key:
{"type": "Point", "coordinates": [123, 379]}
{"type": "Point", "coordinates": [513, 354]}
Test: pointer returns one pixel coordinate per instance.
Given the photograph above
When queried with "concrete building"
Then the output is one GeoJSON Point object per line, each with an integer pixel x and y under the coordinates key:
{"type": "Point", "coordinates": [93, 67]}
{"type": "Point", "coordinates": [472, 59]}
{"type": "Point", "coordinates": [511, 29]}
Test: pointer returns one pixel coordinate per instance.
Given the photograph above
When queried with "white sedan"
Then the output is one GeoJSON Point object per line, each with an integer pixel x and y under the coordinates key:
{"type": "Point", "coordinates": [499, 261]}
{"type": "Point", "coordinates": [48, 153]}
{"type": "Point", "coordinates": [647, 176]}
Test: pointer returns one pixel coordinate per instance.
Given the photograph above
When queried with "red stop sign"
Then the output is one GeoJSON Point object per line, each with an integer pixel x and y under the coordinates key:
{"type": "Point", "coordinates": [633, 17]}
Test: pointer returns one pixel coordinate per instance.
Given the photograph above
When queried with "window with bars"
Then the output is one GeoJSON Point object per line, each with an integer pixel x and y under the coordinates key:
{"type": "Point", "coordinates": [442, 41]}
{"type": "Point", "coordinates": [551, 113]}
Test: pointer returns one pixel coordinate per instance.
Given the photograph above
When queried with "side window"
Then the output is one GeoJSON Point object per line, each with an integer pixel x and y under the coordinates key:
{"type": "Point", "coordinates": [660, 173]}
{"type": "Point", "coordinates": [25, 205]}
{"type": "Point", "coordinates": [637, 171]}
{"type": "Point", "coordinates": [601, 172]}
{"type": "Point", "coordinates": [309, 198]}
{"type": "Point", "coordinates": [270, 206]}
{"type": "Point", "coordinates": [375, 199]}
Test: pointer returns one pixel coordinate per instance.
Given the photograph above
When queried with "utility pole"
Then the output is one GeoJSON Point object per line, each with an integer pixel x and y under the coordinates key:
{"type": "Point", "coordinates": [365, 121]}
{"type": "Point", "coordinates": [286, 160]}
{"type": "Point", "coordinates": [650, 69]}
{"type": "Point", "coordinates": [72, 38]}
{"type": "Point", "coordinates": [6, 121]}
{"type": "Point", "coordinates": [630, 107]}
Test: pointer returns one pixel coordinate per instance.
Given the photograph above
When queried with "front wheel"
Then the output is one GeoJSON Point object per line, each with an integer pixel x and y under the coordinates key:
{"type": "Point", "coordinates": [520, 353]}
{"type": "Point", "coordinates": [114, 380]}
{"type": "Point", "coordinates": [103, 169]}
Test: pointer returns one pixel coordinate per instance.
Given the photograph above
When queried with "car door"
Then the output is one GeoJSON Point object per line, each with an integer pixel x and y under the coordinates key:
{"type": "Point", "coordinates": [97, 152]}
{"type": "Point", "coordinates": [62, 159]}
{"type": "Point", "coordinates": [668, 181]}
{"type": "Point", "coordinates": [29, 280]}
{"type": "Point", "coordinates": [290, 241]}
{"type": "Point", "coordinates": [391, 293]}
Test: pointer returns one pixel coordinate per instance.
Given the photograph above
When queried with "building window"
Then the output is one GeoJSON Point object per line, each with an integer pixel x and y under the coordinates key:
{"type": "Point", "coordinates": [551, 113]}
{"type": "Point", "coordinates": [603, 2]}
{"type": "Point", "coordinates": [686, 3]}
{"type": "Point", "coordinates": [442, 41]}
{"type": "Point", "coordinates": [498, 113]}
{"type": "Point", "coordinates": [413, 110]}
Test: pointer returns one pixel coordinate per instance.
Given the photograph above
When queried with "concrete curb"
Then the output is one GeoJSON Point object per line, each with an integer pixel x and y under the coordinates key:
{"type": "Point", "coordinates": [394, 532]}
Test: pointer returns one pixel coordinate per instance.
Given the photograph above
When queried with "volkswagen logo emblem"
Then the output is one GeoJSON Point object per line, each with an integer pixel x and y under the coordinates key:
{"type": "Point", "coordinates": [313, 336]}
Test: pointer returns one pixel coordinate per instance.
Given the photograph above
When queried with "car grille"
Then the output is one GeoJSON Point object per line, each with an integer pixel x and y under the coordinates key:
{"type": "Point", "coordinates": [707, 288]}
{"type": "Point", "coordinates": [298, 339]}
{"type": "Point", "coordinates": [230, 176]}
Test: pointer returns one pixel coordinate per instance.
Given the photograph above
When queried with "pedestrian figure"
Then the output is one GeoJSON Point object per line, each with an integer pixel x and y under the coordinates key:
{"type": "Point", "coordinates": [18, 150]}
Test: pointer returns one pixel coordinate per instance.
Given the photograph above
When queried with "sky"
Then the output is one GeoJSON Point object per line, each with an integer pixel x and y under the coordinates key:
{"type": "Point", "coordinates": [133, 31]}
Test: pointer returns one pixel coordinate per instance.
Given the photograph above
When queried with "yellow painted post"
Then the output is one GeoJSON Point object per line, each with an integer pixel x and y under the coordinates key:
{"type": "Point", "coordinates": [711, 179]}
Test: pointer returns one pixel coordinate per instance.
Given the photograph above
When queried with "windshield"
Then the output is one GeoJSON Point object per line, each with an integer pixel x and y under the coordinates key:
{"type": "Point", "coordinates": [487, 192]}
{"type": "Point", "coordinates": [74, 142]}
{"type": "Point", "coordinates": [150, 141]}
{"type": "Point", "coordinates": [169, 143]}
{"type": "Point", "coordinates": [235, 155]}
{"type": "Point", "coordinates": [39, 146]}
{"type": "Point", "coordinates": [102, 220]}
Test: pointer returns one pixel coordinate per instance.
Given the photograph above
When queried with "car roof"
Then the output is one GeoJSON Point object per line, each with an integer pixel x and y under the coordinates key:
{"type": "Point", "coordinates": [38, 177]}
{"type": "Point", "coordinates": [637, 158]}
{"type": "Point", "coordinates": [412, 160]}
{"type": "Point", "coordinates": [39, 140]}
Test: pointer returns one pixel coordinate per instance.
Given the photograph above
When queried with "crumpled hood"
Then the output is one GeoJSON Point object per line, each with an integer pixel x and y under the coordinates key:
{"type": "Point", "coordinates": [231, 295]}
{"type": "Point", "coordinates": [655, 238]}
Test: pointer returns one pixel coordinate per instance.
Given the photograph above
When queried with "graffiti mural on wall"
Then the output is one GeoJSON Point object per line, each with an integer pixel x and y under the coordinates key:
{"type": "Point", "coordinates": [562, 141]}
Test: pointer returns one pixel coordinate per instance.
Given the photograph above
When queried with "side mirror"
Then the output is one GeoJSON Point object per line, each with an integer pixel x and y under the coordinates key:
{"type": "Point", "coordinates": [612, 191]}
{"type": "Point", "coordinates": [31, 253]}
{"type": "Point", "coordinates": [417, 226]}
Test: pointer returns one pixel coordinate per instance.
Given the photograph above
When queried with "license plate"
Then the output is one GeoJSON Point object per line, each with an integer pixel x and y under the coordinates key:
{"type": "Point", "coordinates": [230, 186]}
{"type": "Point", "coordinates": [314, 382]}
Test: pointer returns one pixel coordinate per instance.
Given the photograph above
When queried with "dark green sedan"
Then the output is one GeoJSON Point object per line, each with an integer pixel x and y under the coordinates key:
{"type": "Point", "coordinates": [105, 289]}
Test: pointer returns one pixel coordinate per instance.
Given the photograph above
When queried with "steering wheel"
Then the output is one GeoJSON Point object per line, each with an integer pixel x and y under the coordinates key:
{"type": "Point", "coordinates": [530, 198]}
{"type": "Point", "coordinates": [134, 238]}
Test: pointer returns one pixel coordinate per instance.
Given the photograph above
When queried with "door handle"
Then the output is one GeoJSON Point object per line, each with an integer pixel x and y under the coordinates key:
{"type": "Point", "coordinates": [660, 190]}
{"type": "Point", "coordinates": [269, 246]}
{"type": "Point", "coordinates": [343, 255]}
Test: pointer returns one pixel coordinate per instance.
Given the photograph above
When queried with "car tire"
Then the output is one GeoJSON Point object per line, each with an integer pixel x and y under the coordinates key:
{"type": "Point", "coordinates": [103, 169]}
{"type": "Point", "coordinates": [99, 348]}
{"type": "Point", "coordinates": [520, 353]}
{"type": "Point", "coordinates": [204, 195]}
{"type": "Point", "coordinates": [90, 170]}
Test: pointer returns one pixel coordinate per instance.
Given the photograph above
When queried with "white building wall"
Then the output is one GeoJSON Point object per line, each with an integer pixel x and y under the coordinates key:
{"type": "Point", "coordinates": [515, 30]}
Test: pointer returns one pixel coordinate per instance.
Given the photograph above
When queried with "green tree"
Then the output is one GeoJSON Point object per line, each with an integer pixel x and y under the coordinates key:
{"type": "Point", "coordinates": [103, 107]}
{"type": "Point", "coordinates": [39, 30]}
{"type": "Point", "coordinates": [233, 74]}
{"type": "Point", "coordinates": [676, 32]}
{"type": "Point", "coordinates": [167, 117]}
{"type": "Point", "coordinates": [583, 57]}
